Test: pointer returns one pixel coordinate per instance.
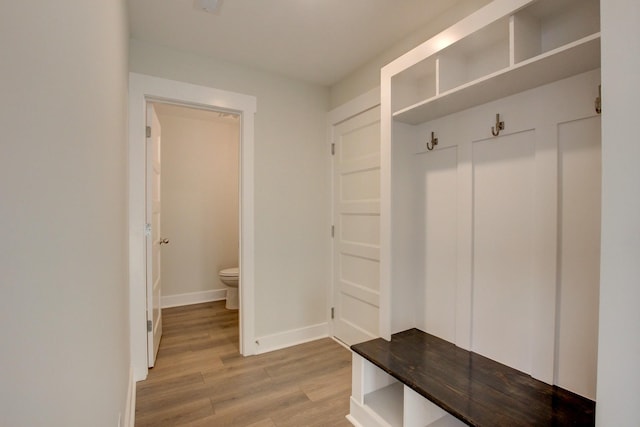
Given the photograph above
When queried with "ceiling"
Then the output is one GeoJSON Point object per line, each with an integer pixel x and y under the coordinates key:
{"type": "Point", "coordinates": [318, 41]}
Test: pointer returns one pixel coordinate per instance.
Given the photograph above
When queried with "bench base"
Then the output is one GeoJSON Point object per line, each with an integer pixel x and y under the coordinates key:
{"type": "Point", "coordinates": [417, 379]}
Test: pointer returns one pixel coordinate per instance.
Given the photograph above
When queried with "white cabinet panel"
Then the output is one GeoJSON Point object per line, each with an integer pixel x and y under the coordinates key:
{"type": "Point", "coordinates": [579, 260]}
{"type": "Point", "coordinates": [437, 180]}
{"type": "Point", "coordinates": [503, 186]}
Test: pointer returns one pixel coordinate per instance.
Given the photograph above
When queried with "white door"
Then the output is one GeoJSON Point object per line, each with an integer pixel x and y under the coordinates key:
{"type": "Point", "coordinates": [356, 219]}
{"type": "Point", "coordinates": [154, 240]}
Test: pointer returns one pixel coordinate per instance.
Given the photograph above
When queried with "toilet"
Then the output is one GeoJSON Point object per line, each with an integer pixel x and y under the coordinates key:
{"type": "Point", "coordinates": [229, 276]}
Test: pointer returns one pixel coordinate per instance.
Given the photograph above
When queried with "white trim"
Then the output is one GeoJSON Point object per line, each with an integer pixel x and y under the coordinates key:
{"type": "Point", "coordinates": [290, 338]}
{"type": "Point", "coordinates": [364, 414]}
{"type": "Point", "coordinates": [360, 104]}
{"type": "Point", "coordinates": [141, 89]}
{"type": "Point", "coordinates": [130, 408]}
{"type": "Point", "coordinates": [341, 343]}
{"type": "Point", "coordinates": [193, 298]}
{"type": "Point", "coordinates": [353, 421]}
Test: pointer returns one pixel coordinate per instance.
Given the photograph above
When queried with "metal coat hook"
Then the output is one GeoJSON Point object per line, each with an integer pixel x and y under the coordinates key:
{"type": "Point", "coordinates": [599, 100]}
{"type": "Point", "coordinates": [495, 130]}
{"type": "Point", "coordinates": [431, 144]}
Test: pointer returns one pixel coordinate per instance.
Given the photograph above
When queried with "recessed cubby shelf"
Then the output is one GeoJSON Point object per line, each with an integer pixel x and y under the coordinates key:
{"type": "Point", "coordinates": [580, 56]}
{"type": "Point", "coordinates": [477, 55]}
{"type": "Point", "coordinates": [387, 402]}
{"type": "Point", "coordinates": [415, 84]}
{"type": "Point", "coordinates": [550, 24]}
{"type": "Point", "coordinates": [544, 42]}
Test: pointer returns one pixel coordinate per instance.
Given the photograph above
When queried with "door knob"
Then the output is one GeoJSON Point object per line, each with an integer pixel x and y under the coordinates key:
{"type": "Point", "coordinates": [164, 241]}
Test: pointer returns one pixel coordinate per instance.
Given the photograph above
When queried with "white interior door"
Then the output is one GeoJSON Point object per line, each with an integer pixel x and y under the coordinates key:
{"type": "Point", "coordinates": [356, 213]}
{"type": "Point", "coordinates": [154, 239]}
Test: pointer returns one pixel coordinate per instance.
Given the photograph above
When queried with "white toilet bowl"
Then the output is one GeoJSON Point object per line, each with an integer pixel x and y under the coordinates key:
{"type": "Point", "coordinates": [229, 276]}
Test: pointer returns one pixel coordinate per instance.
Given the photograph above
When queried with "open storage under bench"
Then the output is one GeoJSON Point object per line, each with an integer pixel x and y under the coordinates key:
{"type": "Point", "coordinates": [417, 379]}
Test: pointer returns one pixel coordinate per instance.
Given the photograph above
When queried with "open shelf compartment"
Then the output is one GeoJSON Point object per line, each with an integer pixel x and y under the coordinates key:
{"type": "Point", "coordinates": [415, 84]}
{"type": "Point", "coordinates": [476, 55]}
{"type": "Point", "coordinates": [566, 61]}
{"type": "Point", "coordinates": [542, 42]}
{"type": "Point", "coordinates": [387, 402]}
{"type": "Point", "coordinates": [549, 24]}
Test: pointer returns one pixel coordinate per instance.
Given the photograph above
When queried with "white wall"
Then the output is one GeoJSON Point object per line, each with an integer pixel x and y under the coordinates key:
{"type": "Point", "coordinates": [63, 283]}
{"type": "Point", "coordinates": [292, 246]}
{"type": "Point", "coordinates": [619, 340]}
{"type": "Point", "coordinates": [199, 188]}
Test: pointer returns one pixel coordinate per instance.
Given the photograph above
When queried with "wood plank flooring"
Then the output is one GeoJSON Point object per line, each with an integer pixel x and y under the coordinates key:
{"type": "Point", "coordinates": [200, 379]}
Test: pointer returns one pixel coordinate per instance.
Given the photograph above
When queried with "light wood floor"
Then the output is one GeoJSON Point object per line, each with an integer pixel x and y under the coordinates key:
{"type": "Point", "coordinates": [200, 379]}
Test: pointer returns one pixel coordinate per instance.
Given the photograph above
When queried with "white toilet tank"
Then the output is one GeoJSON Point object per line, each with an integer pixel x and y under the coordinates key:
{"type": "Point", "coordinates": [229, 276]}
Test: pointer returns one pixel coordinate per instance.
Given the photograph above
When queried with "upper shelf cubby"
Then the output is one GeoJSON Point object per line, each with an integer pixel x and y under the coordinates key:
{"type": "Point", "coordinates": [415, 84]}
{"type": "Point", "coordinates": [549, 24]}
{"type": "Point", "coordinates": [544, 41]}
{"type": "Point", "coordinates": [479, 54]}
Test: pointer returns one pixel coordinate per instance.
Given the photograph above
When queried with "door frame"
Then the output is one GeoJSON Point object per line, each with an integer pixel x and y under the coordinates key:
{"type": "Point", "coordinates": [356, 106]}
{"type": "Point", "coordinates": [144, 88]}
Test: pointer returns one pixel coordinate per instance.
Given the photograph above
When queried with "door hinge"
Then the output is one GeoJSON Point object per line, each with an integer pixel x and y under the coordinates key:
{"type": "Point", "coordinates": [149, 326]}
{"type": "Point", "coordinates": [147, 229]}
{"type": "Point", "coordinates": [333, 312]}
{"type": "Point", "coordinates": [333, 148]}
{"type": "Point", "coordinates": [333, 231]}
{"type": "Point", "coordinates": [148, 131]}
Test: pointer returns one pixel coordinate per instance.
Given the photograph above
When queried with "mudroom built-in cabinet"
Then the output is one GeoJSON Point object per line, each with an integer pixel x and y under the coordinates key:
{"type": "Point", "coordinates": [490, 200]}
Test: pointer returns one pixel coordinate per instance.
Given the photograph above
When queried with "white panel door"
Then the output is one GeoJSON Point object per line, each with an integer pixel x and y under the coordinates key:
{"type": "Point", "coordinates": [154, 239]}
{"type": "Point", "coordinates": [356, 243]}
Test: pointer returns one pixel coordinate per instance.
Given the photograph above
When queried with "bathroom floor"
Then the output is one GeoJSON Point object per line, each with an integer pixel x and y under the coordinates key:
{"type": "Point", "coordinates": [200, 379]}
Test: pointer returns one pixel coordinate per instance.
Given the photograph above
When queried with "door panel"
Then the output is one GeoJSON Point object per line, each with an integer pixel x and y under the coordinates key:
{"type": "Point", "coordinates": [360, 271]}
{"type": "Point", "coordinates": [154, 290]}
{"type": "Point", "coordinates": [356, 243]}
{"type": "Point", "coordinates": [364, 229]}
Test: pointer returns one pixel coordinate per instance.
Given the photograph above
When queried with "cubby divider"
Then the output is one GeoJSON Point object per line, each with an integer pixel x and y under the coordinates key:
{"type": "Point", "coordinates": [503, 58]}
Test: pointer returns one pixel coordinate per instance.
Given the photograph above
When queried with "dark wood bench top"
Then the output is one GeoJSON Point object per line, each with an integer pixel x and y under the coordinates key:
{"type": "Point", "coordinates": [473, 388]}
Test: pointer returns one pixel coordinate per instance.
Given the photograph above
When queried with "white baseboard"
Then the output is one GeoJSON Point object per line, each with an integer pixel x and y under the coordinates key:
{"type": "Point", "coordinates": [130, 409]}
{"type": "Point", "coordinates": [290, 338]}
{"type": "Point", "coordinates": [353, 421]}
{"type": "Point", "coordinates": [193, 298]}
{"type": "Point", "coordinates": [346, 346]}
{"type": "Point", "coordinates": [362, 415]}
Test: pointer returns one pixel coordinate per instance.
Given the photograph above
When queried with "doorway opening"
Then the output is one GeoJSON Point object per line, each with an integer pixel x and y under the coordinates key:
{"type": "Point", "coordinates": [144, 89]}
{"type": "Point", "coordinates": [196, 234]}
